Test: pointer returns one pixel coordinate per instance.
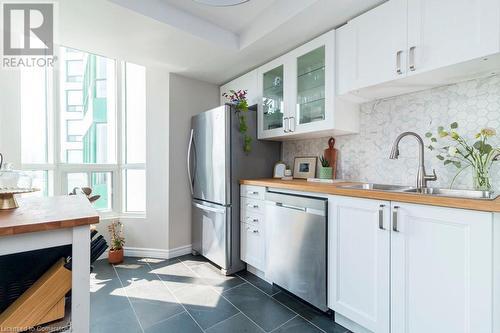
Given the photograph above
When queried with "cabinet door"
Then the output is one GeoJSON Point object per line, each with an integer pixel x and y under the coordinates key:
{"type": "Point", "coordinates": [247, 82]}
{"type": "Point", "coordinates": [272, 105]}
{"type": "Point", "coordinates": [252, 245]}
{"type": "Point", "coordinates": [313, 90]}
{"type": "Point", "coordinates": [359, 253]}
{"type": "Point", "coordinates": [441, 270]}
{"type": "Point", "coordinates": [372, 47]}
{"type": "Point", "coordinates": [447, 32]}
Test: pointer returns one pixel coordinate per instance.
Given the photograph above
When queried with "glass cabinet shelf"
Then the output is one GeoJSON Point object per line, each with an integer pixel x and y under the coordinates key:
{"type": "Point", "coordinates": [311, 86]}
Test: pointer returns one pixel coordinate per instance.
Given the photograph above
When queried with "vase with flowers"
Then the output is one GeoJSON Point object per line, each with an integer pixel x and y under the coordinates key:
{"type": "Point", "coordinates": [458, 152]}
{"type": "Point", "coordinates": [238, 98]}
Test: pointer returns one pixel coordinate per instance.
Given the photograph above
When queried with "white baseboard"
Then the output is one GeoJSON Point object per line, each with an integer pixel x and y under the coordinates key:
{"type": "Point", "coordinates": [140, 252]}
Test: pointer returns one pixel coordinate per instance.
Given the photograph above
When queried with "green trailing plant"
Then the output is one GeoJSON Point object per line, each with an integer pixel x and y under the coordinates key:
{"type": "Point", "coordinates": [457, 152]}
{"type": "Point", "coordinates": [238, 98]}
{"type": "Point", "coordinates": [324, 162]}
{"type": "Point", "coordinates": [116, 232]}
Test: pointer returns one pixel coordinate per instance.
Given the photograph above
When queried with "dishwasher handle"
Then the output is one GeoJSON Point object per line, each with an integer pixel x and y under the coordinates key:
{"type": "Point", "coordinates": [280, 204]}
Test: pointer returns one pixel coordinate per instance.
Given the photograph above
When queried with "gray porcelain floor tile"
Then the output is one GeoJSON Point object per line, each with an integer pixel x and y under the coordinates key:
{"type": "Point", "coordinates": [263, 310]}
{"type": "Point", "coordinates": [177, 276]}
{"type": "Point", "coordinates": [148, 291]}
{"type": "Point", "coordinates": [236, 324]}
{"type": "Point", "coordinates": [211, 276]}
{"type": "Point", "coordinates": [258, 282]}
{"type": "Point", "coordinates": [205, 305]}
{"type": "Point", "coordinates": [123, 321]}
{"type": "Point", "coordinates": [315, 316]}
{"type": "Point", "coordinates": [181, 323]}
{"type": "Point", "coordinates": [191, 260]}
{"type": "Point", "coordinates": [298, 325]}
{"type": "Point", "coordinates": [152, 312]}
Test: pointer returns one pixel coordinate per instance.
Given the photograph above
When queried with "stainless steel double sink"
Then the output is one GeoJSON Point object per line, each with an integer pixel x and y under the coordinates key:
{"type": "Point", "coordinates": [464, 194]}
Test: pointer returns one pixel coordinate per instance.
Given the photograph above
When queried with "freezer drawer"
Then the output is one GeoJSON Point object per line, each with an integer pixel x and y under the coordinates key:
{"type": "Point", "coordinates": [297, 245]}
{"type": "Point", "coordinates": [211, 232]}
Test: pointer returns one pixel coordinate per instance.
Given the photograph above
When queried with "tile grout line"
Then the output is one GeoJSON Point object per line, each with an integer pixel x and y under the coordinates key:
{"type": "Point", "coordinates": [128, 298]}
{"type": "Point", "coordinates": [176, 298]}
{"type": "Point", "coordinates": [286, 322]}
{"type": "Point", "coordinates": [244, 282]}
{"type": "Point", "coordinates": [298, 314]}
{"type": "Point", "coordinates": [263, 330]}
{"type": "Point", "coordinates": [220, 322]}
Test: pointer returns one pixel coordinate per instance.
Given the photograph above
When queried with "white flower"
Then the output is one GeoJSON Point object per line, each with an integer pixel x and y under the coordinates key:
{"type": "Point", "coordinates": [452, 151]}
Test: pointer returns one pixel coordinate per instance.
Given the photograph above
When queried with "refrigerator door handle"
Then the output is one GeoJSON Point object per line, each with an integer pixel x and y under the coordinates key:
{"type": "Point", "coordinates": [209, 209]}
{"type": "Point", "coordinates": [190, 177]}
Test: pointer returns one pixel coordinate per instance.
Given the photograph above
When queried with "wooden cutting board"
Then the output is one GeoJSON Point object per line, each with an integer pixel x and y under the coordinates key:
{"type": "Point", "coordinates": [331, 155]}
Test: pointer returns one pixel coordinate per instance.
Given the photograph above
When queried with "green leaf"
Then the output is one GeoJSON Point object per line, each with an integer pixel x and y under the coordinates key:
{"type": "Point", "coordinates": [457, 164]}
{"type": "Point", "coordinates": [478, 145]}
{"type": "Point", "coordinates": [428, 134]}
{"type": "Point", "coordinates": [454, 125]}
{"type": "Point", "coordinates": [430, 147]}
{"type": "Point", "coordinates": [448, 162]}
{"type": "Point", "coordinates": [440, 129]}
{"type": "Point", "coordinates": [440, 157]}
{"type": "Point", "coordinates": [434, 140]}
{"type": "Point", "coordinates": [487, 149]}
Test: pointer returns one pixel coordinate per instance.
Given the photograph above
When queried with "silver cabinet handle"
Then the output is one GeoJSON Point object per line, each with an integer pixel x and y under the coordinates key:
{"type": "Point", "coordinates": [252, 206]}
{"type": "Point", "coordinates": [290, 122]}
{"type": "Point", "coordinates": [381, 217]}
{"type": "Point", "coordinates": [210, 209]}
{"type": "Point", "coordinates": [286, 124]}
{"type": "Point", "coordinates": [255, 231]}
{"type": "Point", "coordinates": [252, 220]}
{"type": "Point", "coordinates": [395, 219]}
{"type": "Point", "coordinates": [253, 193]}
{"type": "Point", "coordinates": [398, 62]}
{"type": "Point", "coordinates": [280, 204]}
{"type": "Point", "coordinates": [412, 58]}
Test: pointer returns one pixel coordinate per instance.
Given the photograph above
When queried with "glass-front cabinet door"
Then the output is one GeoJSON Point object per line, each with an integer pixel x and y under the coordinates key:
{"type": "Point", "coordinates": [272, 103]}
{"type": "Point", "coordinates": [311, 86]}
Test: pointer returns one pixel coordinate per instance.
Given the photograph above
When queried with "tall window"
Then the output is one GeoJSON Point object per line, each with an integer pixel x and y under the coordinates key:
{"type": "Point", "coordinates": [83, 126]}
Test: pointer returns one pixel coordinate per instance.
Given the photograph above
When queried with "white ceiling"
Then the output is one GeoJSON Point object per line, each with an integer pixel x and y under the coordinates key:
{"type": "Point", "coordinates": [214, 44]}
{"type": "Point", "coordinates": [233, 18]}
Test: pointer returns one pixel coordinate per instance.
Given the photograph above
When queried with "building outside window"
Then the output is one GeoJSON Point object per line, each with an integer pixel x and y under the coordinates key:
{"type": "Point", "coordinates": [90, 132]}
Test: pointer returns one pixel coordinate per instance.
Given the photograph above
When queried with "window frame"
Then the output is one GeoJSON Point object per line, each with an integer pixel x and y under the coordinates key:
{"type": "Point", "coordinates": [57, 169]}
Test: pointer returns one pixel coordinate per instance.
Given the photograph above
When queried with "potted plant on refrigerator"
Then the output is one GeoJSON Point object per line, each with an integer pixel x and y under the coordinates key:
{"type": "Point", "coordinates": [117, 241]}
{"type": "Point", "coordinates": [325, 170]}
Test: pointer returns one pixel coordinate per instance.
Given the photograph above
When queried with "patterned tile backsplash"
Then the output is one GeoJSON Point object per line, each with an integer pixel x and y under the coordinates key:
{"type": "Point", "coordinates": [365, 156]}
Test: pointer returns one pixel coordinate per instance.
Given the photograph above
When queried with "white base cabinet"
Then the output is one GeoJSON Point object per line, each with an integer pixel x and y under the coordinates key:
{"type": "Point", "coordinates": [405, 268]}
{"type": "Point", "coordinates": [441, 270]}
{"type": "Point", "coordinates": [359, 257]}
{"type": "Point", "coordinates": [252, 226]}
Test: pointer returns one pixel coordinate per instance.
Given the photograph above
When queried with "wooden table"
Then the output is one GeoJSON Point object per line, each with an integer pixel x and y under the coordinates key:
{"type": "Point", "coordinates": [41, 223]}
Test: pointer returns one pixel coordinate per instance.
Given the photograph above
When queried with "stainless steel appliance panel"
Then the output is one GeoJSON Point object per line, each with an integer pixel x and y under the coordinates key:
{"type": "Point", "coordinates": [209, 156]}
{"type": "Point", "coordinates": [210, 231]}
{"type": "Point", "coordinates": [297, 251]}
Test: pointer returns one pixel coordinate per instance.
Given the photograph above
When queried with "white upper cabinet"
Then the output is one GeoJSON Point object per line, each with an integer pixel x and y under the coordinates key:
{"type": "Point", "coordinates": [247, 82]}
{"type": "Point", "coordinates": [410, 45]}
{"type": "Point", "coordinates": [372, 47]}
{"type": "Point", "coordinates": [298, 94]}
{"type": "Point", "coordinates": [445, 32]}
{"type": "Point", "coordinates": [441, 270]}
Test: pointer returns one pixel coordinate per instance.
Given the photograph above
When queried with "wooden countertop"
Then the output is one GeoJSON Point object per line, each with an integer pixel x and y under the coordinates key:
{"type": "Point", "coordinates": [334, 189]}
{"type": "Point", "coordinates": [47, 213]}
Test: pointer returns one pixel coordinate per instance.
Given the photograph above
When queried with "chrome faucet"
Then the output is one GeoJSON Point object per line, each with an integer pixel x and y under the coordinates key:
{"type": "Point", "coordinates": [422, 177]}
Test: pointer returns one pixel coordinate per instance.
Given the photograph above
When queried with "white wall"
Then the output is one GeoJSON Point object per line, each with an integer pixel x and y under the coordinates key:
{"type": "Point", "coordinates": [187, 98]}
{"type": "Point", "coordinates": [10, 116]}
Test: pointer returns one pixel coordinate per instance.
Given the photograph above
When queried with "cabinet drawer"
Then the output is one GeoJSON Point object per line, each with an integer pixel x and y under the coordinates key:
{"type": "Point", "coordinates": [252, 245]}
{"type": "Point", "coordinates": [253, 192]}
{"type": "Point", "coordinates": [247, 216]}
{"type": "Point", "coordinates": [251, 206]}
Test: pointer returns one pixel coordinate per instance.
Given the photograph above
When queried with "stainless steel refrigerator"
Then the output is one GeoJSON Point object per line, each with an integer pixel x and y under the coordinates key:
{"type": "Point", "coordinates": [216, 163]}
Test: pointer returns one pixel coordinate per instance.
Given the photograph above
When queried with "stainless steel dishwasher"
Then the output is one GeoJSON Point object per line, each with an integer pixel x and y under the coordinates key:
{"type": "Point", "coordinates": [297, 226]}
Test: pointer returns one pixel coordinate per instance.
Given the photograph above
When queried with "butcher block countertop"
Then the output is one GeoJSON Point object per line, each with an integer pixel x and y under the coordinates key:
{"type": "Point", "coordinates": [334, 189]}
{"type": "Point", "coordinates": [48, 213]}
